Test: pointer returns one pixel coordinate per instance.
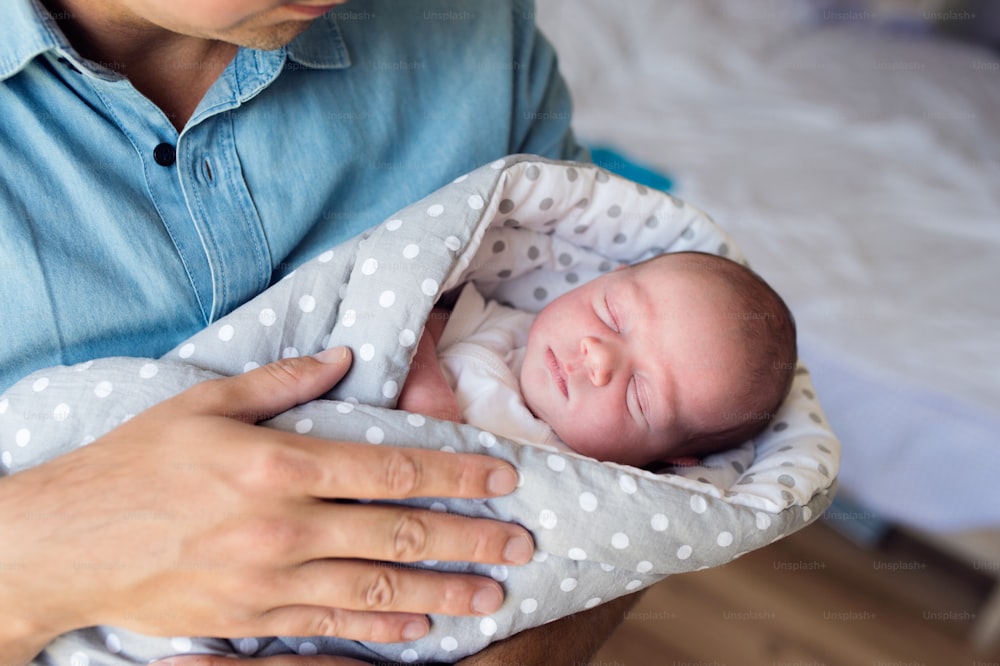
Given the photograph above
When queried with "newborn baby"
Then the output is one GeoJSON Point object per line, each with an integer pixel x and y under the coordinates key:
{"type": "Point", "coordinates": [668, 360]}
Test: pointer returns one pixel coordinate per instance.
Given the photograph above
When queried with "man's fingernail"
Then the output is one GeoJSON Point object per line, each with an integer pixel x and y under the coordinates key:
{"type": "Point", "coordinates": [487, 600]}
{"type": "Point", "coordinates": [332, 355]}
{"type": "Point", "coordinates": [501, 481]}
{"type": "Point", "coordinates": [414, 630]}
{"type": "Point", "coordinates": [518, 550]}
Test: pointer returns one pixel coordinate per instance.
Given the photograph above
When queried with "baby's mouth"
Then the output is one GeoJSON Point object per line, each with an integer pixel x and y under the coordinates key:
{"type": "Point", "coordinates": [556, 371]}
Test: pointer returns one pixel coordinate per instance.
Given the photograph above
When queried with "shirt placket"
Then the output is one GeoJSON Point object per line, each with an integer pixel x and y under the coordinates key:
{"type": "Point", "coordinates": [196, 183]}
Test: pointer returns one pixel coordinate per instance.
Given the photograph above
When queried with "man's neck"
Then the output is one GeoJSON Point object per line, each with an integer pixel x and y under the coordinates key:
{"type": "Point", "coordinates": [173, 70]}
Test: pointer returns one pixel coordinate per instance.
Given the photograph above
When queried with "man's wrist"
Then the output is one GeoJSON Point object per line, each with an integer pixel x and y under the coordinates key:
{"type": "Point", "coordinates": [20, 641]}
{"type": "Point", "coordinates": [25, 626]}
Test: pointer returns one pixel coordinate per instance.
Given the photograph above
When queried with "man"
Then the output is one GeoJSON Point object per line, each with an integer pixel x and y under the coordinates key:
{"type": "Point", "coordinates": [166, 160]}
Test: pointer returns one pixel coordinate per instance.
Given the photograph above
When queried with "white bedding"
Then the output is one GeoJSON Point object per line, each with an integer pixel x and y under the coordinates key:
{"type": "Point", "coordinates": [860, 172]}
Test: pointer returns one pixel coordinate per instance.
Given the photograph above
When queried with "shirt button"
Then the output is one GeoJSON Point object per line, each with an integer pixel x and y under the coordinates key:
{"type": "Point", "coordinates": [165, 155]}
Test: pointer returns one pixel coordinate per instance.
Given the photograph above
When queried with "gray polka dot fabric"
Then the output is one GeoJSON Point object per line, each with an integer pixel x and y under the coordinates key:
{"type": "Point", "coordinates": [525, 230]}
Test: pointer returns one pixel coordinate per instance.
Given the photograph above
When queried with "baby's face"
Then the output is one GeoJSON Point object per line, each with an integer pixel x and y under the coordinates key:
{"type": "Point", "coordinates": [619, 366]}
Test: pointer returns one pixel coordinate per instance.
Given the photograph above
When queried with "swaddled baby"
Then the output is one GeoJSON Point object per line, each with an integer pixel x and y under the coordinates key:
{"type": "Point", "coordinates": [664, 361]}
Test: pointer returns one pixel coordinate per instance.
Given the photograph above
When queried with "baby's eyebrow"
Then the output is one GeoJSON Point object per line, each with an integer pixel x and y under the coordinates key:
{"type": "Point", "coordinates": [626, 298]}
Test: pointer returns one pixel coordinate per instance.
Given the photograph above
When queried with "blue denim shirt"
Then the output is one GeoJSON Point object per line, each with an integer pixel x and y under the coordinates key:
{"type": "Point", "coordinates": [121, 236]}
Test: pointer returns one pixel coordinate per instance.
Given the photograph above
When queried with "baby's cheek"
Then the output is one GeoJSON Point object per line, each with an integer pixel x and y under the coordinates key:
{"type": "Point", "coordinates": [589, 436]}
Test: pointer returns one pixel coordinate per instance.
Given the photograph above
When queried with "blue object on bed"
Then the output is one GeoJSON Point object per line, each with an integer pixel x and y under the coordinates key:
{"type": "Point", "coordinates": [626, 167]}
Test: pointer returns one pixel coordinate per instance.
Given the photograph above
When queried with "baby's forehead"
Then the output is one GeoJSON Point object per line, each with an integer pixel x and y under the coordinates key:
{"type": "Point", "coordinates": [695, 263]}
{"type": "Point", "coordinates": [685, 279]}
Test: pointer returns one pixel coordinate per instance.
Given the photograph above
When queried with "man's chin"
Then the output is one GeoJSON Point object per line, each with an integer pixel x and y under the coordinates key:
{"type": "Point", "coordinates": [267, 39]}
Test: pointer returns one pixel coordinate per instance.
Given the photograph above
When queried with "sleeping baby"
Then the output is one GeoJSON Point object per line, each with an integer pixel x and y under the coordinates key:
{"type": "Point", "coordinates": [664, 361]}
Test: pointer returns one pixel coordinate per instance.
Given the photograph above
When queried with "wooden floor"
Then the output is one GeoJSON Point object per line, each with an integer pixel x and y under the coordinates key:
{"type": "Point", "coordinates": [812, 599]}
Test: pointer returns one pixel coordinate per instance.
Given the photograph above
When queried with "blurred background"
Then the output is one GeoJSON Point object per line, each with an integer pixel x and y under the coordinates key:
{"type": "Point", "coordinates": [853, 150]}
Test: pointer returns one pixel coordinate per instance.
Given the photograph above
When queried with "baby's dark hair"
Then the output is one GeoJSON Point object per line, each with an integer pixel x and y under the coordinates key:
{"type": "Point", "coordinates": [763, 324]}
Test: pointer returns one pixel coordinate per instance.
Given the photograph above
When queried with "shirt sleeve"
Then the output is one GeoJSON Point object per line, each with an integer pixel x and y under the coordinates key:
{"type": "Point", "coordinates": [544, 109]}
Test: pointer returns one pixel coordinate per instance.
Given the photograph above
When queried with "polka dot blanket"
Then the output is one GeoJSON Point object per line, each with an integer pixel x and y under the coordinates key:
{"type": "Point", "coordinates": [525, 230]}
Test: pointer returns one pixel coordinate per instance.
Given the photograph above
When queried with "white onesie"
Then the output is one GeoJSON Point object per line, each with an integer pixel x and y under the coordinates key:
{"type": "Point", "coordinates": [481, 351]}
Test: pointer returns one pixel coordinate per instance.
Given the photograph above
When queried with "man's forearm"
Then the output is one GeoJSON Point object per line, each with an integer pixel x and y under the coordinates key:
{"type": "Point", "coordinates": [571, 640]}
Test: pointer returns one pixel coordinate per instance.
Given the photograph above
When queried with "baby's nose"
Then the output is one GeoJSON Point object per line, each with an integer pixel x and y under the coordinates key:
{"type": "Point", "coordinates": [598, 360]}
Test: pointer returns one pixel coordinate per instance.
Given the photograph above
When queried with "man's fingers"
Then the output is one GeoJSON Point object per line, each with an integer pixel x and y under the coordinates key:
{"type": "Point", "coordinates": [401, 534]}
{"type": "Point", "coordinates": [385, 587]}
{"type": "Point", "coordinates": [355, 625]}
{"type": "Point", "coordinates": [306, 466]}
{"type": "Point", "coordinates": [270, 389]}
{"type": "Point", "coordinates": [360, 471]}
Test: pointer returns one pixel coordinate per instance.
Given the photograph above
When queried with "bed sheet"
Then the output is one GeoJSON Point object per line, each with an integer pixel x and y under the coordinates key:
{"type": "Point", "coordinates": [859, 171]}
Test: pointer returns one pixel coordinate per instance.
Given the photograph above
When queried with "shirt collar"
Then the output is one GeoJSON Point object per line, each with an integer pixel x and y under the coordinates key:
{"type": "Point", "coordinates": [28, 30]}
{"type": "Point", "coordinates": [320, 46]}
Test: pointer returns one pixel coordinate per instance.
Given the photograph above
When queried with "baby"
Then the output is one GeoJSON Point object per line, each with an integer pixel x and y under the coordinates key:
{"type": "Point", "coordinates": [664, 361]}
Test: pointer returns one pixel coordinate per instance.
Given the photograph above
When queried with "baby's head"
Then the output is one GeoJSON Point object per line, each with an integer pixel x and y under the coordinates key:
{"type": "Point", "coordinates": [676, 357]}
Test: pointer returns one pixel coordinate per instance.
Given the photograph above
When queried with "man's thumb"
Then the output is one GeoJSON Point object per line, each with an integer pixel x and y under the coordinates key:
{"type": "Point", "coordinates": [271, 389]}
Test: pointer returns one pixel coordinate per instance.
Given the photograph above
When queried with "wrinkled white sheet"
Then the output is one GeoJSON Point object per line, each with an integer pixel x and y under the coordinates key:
{"type": "Point", "coordinates": [860, 172]}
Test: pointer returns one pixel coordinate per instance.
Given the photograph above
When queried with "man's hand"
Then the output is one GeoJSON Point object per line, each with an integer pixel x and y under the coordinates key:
{"type": "Point", "coordinates": [190, 520]}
